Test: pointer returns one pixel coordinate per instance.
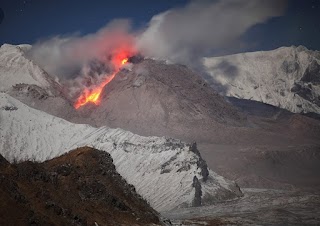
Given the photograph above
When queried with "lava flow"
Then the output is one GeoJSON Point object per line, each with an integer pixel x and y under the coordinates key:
{"type": "Point", "coordinates": [93, 95]}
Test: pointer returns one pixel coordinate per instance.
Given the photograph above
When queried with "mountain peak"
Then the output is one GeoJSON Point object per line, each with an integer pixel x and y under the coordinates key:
{"type": "Point", "coordinates": [274, 77]}
{"type": "Point", "coordinates": [16, 68]}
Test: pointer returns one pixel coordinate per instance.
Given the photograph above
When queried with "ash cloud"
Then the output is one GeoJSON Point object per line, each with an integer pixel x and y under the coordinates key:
{"type": "Point", "coordinates": [185, 35]}
{"type": "Point", "coordinates": [84, 62]}
{"type": "Point", "coordinates": [68, 56]}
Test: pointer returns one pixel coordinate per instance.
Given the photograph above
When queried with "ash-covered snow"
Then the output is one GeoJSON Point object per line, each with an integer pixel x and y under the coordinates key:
{"type": "Point", "coordinates": [288, 77]}
{"type": "Point", "coordinates": [16, 68]}
{"type": "Point", "coordinates": [161, 169]}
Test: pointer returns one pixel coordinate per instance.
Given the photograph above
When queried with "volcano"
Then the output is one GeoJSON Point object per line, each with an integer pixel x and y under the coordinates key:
{"type": "Point", "coordinates": [250, 143]}
{"type": "Point", "coordinates": [157, 98]}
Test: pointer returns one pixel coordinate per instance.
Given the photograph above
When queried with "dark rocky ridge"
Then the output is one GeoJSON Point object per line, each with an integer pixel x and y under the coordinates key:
{"type": "Point", "coordinates": [81, 187]}
{"type": "Point", "coordinates": [307, 86]}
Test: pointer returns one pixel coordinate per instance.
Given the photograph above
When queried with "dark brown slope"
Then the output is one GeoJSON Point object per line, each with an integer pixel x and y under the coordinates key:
{"type": "Point", "coordinates": [79, 188]}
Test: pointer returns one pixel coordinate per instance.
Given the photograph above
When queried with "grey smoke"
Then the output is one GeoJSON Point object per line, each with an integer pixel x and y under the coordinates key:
{"type": "Point", "coordinates": [69, 56]}
{"type": "Point", "coordinates": [185, 35]}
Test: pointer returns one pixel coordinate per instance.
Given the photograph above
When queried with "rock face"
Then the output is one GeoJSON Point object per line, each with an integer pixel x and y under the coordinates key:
{"type": "Point", "coordinates": [161, 169]}
{"type": "Point", "coordinates": [81, 187]}
{"type": "Point", "coordinates": [287, 77]}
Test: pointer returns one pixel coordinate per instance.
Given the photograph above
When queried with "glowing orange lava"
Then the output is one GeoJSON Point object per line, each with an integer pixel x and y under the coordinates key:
{"type": "Point", "coordinates": [124, 61]}
{"type": "Point", "coordinates": [93, 95]}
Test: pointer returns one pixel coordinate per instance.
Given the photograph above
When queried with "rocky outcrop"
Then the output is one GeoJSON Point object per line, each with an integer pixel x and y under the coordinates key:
{"type": "Point", "coordinates": [78, 188]}
{"type": "Point", "coordinates": [197, 192]}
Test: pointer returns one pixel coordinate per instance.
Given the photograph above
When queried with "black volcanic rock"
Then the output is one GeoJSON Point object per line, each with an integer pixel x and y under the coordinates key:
{"type": "Point", "coordinates": [312, 73]}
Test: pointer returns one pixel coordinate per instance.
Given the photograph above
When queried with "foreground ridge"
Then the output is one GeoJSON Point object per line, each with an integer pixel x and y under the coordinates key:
{"type": "Point", "coordinates": [81, 187]}
{"type": "Point", "coordinates": [168, 173]}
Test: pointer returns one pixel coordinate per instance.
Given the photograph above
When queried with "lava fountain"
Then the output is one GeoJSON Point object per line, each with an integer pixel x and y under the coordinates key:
{"type": "Point", "coordinates": [92, 95]}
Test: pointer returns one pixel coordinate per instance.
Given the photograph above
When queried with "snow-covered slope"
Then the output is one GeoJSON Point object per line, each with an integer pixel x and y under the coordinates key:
{"type": "Point", "coordinates": [24, 80]}
{"type": "Point", "coordinates": [15, 69]}
{"type": "Point", "coordinates": [167, 173]}
{"type": "Point", "coordinates": [288, 77]}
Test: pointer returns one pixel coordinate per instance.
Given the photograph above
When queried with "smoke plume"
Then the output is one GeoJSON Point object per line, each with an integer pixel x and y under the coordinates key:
{"type": "Point", "coordinates": [66, 56]}
{"type": "Point", "coordinates": [187, 34]}
{"type": "Point", "coordinates": [83, 63]}
{"type": "Point", "coordinates": [182, 35]}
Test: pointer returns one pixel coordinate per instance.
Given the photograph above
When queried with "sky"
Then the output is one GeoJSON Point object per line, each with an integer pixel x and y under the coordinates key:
{"type": "Point", "coordinates": [29, 21]}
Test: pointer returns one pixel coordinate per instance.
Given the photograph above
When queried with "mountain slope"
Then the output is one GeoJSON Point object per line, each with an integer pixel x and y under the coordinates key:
{"type": "Point", "coordinates": [155, 98]}
{"type": "Point", "coordinates": [15, 69]}
{"type": "Point", "coordinates": [37, 191]}
{"type": "Point", "coordinates": [167, 173]}
{"type": "Point", "coordinates": [26, 81]}
{"type": "Point", "coordinates": [174, 99]}
{"type": "Point", "coordinates": [288, 77]}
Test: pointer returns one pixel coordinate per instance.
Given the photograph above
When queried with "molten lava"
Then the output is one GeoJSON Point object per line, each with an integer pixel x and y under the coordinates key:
{"type": "Point", "coordinates": [124, 61]}
{"type": "Point", "coordinates": [93, 95]}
